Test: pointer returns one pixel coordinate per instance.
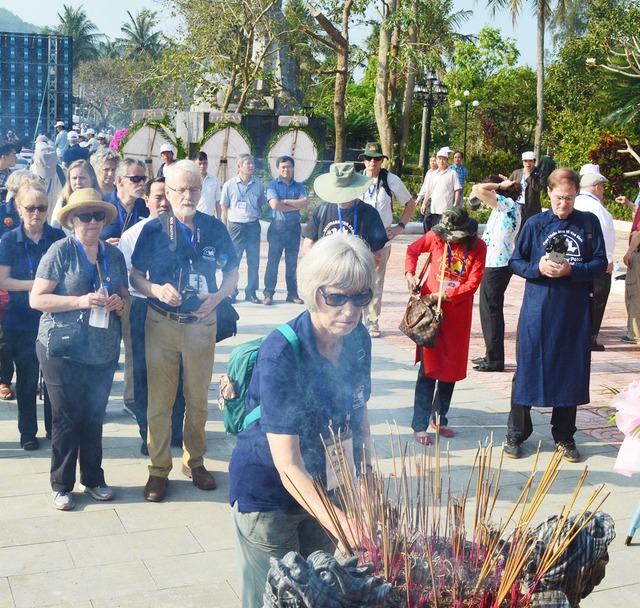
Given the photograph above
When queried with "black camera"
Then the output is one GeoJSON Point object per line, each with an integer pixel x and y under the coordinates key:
{"type": "Point", "coordinates": [557, 248]}
{"type": "Point", "coordinates": [190, 300]}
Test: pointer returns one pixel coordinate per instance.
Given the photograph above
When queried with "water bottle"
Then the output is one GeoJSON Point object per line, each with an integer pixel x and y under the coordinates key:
{"type": "Point", "coordinates": [99, 317]}
{"type": "Point", "coordinates": [616, 267]}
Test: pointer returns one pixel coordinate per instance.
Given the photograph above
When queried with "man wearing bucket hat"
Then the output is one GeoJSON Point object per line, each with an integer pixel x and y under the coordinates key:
{"type": "Point", "coordinates": [344, 211]}
{"type": "Point", "coordinates": [62, 142]}
{"type": "Point", "coordinates": [442, 187]}
{"type": "Point", "coordinates": [530, 178]}
{"type": "Point", "coordinates": [590, 199]}
{"type": "Point", "coordinates": [385, 188]}
{"type": "Point", "coordinates": [167, 155]}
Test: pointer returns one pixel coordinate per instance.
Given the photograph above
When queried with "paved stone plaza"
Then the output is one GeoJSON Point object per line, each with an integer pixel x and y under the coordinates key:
{"type": "Point", "coordinates": [179, 553]}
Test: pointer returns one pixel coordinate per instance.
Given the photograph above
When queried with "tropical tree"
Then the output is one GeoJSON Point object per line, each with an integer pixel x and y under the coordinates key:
{"type": "Point", "coordinates": [110, 49]}
{"type": "Point", "coordinates": [543, 10]}
{"type": "Point", "coordinates": [75, 23]}
{"type": "Point", "coordinates": [139, 39]}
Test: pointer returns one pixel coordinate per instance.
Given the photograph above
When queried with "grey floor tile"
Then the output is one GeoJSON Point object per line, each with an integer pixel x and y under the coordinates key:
{"type": "Point", "coordinates": [32, 559]}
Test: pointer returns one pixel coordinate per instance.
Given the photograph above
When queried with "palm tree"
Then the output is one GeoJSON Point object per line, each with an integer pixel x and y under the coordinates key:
{"type": "Point", "coordinates": [75, 23]}
{"type": "Point", "coordinates": [543, 9]}
{"type": "Point", "coordinates": [139, 37]}
{"type": "Point", "coordinates": [110, 49]}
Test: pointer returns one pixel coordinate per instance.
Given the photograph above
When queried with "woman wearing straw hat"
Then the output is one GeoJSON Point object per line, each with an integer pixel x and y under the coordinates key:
{"type": "Point", "coordinates": [81, 283]}
{"type": "Point", "coordinates": [452, 243]}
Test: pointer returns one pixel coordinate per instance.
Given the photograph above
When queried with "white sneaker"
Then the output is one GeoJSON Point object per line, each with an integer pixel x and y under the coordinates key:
{"type": "Point", "coordinates": [102, 492]}
{"type": "Point", "coordinates": [63, 501]}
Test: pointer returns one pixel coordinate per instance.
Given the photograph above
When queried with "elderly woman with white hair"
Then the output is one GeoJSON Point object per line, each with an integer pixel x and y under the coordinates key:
{"type": "Point", "coordinates": [311, 381]}
{"type": "Point", "coordinates": [105, 162]}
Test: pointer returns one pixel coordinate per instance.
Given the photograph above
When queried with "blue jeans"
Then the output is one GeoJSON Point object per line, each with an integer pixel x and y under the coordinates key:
{"type": "Point", "coordinates": [137, 319]}
{"type": "Point", "coordinates": [22, 346]}
{"type": "Point", "coordinates": [426, 405]}
{"type": "Point", "coordinates": [246, 237]}
{"type": "Point", "coordinates": [282, 236]}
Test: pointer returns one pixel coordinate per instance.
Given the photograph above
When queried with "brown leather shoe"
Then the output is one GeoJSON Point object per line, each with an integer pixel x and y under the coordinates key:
{"type": "Point", "coordinates": [295, 299]}
{"type": "Point", "coordinates": [268, 300]}
{"type": "Point", "coordinates": [156, 488]}
{"type": "Point", "coordinates": [201, 477]}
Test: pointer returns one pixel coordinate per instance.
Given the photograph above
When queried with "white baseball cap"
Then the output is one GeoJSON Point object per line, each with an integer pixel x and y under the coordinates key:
{"type": "Point", "coordinates": [589, 168]}
{"type": "Point", "coordinates": [90, 131]}
{"type": "Point", "coordinates": [73, 136]}
{"type": "Point", "coordinates": [166, 148]}
{"type": "Point", "coordinates": [101, 135]}
{"type": "Point", "coordinates": [528, 156]}
{"type": "Point", "coordinates": [444, 152]}
{"type": "Point", "coordinates": [59, 124]}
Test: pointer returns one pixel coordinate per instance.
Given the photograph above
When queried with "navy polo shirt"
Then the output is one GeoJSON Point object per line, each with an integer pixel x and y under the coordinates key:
{"type": "Point", "coordinates": [23, 255]}
{"type": "Point", "coordinates": [279, 190]}
{"type": "Point", "coordinates": [298, 399]}
{"type": "Point", "coordinates": [112, 197]}
{"type": "Point", "coordinates": [9, 216]}
{"type": "Point", "coordinates": [123, 219]}
{"type": "Point", "coordinates": [200, 251]}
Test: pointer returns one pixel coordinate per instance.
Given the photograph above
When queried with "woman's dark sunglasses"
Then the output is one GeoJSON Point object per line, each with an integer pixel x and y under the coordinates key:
{"type": "Point", "coordinates": [136, 179]}
{"type": "Point", "coordinates": [33, 209]}
{"type": "Point", "coordinates": [98, 216]}
{"type": "Point", "coordinates": [340, 299]}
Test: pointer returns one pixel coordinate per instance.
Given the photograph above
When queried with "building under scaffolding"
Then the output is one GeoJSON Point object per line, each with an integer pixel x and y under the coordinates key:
{"type": "Point", "coordinates": [35, 83]}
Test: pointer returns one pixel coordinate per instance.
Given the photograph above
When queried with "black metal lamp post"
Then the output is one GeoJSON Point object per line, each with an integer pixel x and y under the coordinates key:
{"type": "Point", "coordinates": [475, 104]}
{"type": "Point", "coordinates": [430, 92]}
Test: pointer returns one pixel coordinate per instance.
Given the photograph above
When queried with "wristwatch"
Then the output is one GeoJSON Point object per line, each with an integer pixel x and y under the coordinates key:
{"type": "Point", "coordinates": [401, 224]}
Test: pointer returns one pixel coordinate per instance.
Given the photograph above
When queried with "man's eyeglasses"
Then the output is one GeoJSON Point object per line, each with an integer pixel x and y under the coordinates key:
{"type": "Point", "coordinates": [340, 299]}
{"type": "Point", "coordinates": [136, 179]}
{"type": "Point", "coordinates": [185, 191]}
{"type": "Point", "coordinates": [34, 208]}
{"type": "Point", "coordinates": [98, 216]}
{"type": "Point", "coordinates": [376, 158]}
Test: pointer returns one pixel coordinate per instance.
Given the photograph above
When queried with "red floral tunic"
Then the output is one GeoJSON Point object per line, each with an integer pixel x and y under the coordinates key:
{"type": "Point", "coordinates": [464, 269]}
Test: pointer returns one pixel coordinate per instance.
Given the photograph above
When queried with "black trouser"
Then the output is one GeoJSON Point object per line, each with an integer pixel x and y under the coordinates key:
{"type": "Point", "coordinates": [137, 319]}
{"type": "Point", "coordinates": [601, 289]}
{"type": "Point", "coordinates": [282, 236]}
{"type": "Point", "coordinates": [6, 362]}
{"type": "Point", "coordinates": [426, 405]}
{"type": "Point", "coordinates": [79, 394]}
{"type": "Point", "coordinates": [563, 423]}
{"type": "Point", "coordinates": [492, 288]}
{"type": "Point", "coordinates": [23, 352]}
{"type": "Point", "coordinates": [246, 237]}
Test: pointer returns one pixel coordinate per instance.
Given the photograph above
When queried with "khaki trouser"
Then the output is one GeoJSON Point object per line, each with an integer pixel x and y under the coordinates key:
{"type": "Point", "coordinates": [128, 396]}
{"type": "Point", "coordinates": [170, 344]}
{"type": "Point", "coordinates": [372, 311]}
{"type": "Point", "coordinates": [632, 296]}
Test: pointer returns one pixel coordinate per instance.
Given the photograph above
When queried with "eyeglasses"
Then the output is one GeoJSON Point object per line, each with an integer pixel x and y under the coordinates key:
{"type": "Point", "coordinates": [184, 191]}
{"type": "Point", "coordinates": [33, 209]}
{"type": "Point", "coordinates": [136, 179]}
{"type": "Point", "coordinates": [376, 158]}
{"type": "Point", "coordinates": [98, 216]}
{"type": "Point", "coordinates": [562, 199]}
{"type": "Point", "coordinates": [340, 299]}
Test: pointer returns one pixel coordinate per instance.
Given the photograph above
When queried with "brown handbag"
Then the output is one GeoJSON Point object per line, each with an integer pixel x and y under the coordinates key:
{"type": "Point", "coordinates": [422, 321]}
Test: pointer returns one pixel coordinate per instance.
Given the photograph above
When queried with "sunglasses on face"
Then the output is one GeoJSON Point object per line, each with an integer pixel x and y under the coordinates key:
{"type": "Point", "coordinates": [33, 209]}
{"type": "Point", "coordinates": [98, 216]}
{"type": "Point", "coordinates": [376, 158]}
{"type": "Point", "coordinates": [136, 179]}
{"type": "Point", "coordinates": [340, 299]}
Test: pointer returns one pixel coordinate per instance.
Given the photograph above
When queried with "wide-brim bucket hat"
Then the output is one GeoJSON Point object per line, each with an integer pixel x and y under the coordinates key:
{"type": "Point", "coordinates": [342, 184]}
{"type": "Point", "coordinates": [455, 225]}
{"type": "Point", "coordinates": [85, 198]}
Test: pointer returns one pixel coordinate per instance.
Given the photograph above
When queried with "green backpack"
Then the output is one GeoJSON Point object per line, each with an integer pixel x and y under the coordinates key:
{"type": "Point", "coordinates": [234, 385]}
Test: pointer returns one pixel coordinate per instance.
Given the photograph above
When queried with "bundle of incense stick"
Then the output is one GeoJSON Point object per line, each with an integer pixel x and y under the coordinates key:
{"type": "Point", "coordinates": [413, 528]}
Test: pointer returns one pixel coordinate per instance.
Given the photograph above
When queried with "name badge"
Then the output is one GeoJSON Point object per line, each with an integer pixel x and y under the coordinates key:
{"type": "Point", "coordinates": [451, 284]}
{"type": "Point", "coordinates": [242, 206]}
{"type": "Point", "coordinates": [198, 282]}
{"type": "Point", "coordinates": [339, 458]}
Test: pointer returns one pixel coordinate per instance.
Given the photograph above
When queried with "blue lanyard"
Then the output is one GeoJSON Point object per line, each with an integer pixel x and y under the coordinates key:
{"type": "Point", "coordinates": [464, 262]}
{"type": "Point", "coordinates": [29, 260]}
{"type": "Point", "coordinates": [355, 218]}
{"type": "Point", "coordinates": [326, 400]}
{"type": "Point", "coordinates": [105, 280]}
{"type": "Point", "coordinates": [125, 217]}
{"type": "Point", "coordinates": [246, 189]}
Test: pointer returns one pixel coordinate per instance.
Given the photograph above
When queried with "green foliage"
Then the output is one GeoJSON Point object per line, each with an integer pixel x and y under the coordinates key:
{"type": "Point", "coordinates": [139, 38]}
{"type": "Point", "coordinates": [75, 23]}
{"type": "Point", "coordinates": [499, 162]}
{"type": "Point", "coordinates": [613, 165]}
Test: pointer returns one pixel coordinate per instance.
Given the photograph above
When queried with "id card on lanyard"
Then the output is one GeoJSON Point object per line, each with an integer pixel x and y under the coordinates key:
{"type": "Point", "coordinates": [196, 280]}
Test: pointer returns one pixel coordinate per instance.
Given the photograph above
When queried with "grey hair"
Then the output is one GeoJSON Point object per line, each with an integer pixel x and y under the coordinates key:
{"type": "Point", "coordinates": [338, 260]}
{"type": "Point", "coordinates": [15, 179]}
{"type": "Point", "coordinates": [241, 158]}
{"type": "Point", "coordinates": [123, 166]}
{"type": "Point", "coordinates": [102, 155]}
{"type": "Point", "coordinates": [188, 166]}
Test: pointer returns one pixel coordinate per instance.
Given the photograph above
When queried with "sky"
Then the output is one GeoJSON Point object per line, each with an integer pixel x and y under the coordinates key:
{"type": "Point", "coordinates": [110, 14]}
